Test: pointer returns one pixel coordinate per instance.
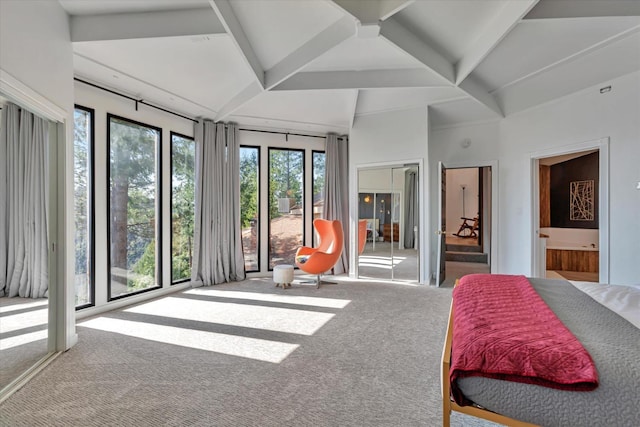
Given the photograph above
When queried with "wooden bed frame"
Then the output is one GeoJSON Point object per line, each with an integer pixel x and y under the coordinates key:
{"type": "Point", "coordinates": [449, 405]}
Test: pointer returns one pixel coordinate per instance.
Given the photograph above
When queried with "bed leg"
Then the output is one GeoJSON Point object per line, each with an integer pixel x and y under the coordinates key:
{"type": "Point", "coordinates": [446, 417]}
{"type": "Point", "coordinates": [446, 401]}
{"type": "Point", "coordinates": [444, 373]}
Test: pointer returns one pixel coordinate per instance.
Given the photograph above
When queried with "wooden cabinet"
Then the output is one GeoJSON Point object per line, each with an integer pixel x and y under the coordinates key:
{"type": "Point", "coordinates": [386, 232]}
{"type": "Point", "coordinates": [565, 260]}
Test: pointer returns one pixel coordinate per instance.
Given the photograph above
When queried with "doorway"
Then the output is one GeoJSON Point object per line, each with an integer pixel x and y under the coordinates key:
{"type": "Point", "coordinates": [570, 217]}
{"type": "Point", "coordinates": [388, 207]}
{"type": "Point", "coordinates": [466, 218]}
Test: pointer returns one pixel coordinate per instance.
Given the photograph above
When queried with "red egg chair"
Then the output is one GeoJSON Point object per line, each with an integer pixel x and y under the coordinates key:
{"type": "Point", "coordinates": [322, 258]}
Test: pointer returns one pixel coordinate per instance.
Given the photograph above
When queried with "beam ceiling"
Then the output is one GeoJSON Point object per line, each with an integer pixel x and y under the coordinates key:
{"type": "Point", "coordinates": [415, 59]}
{"type": "Point", "coordinates": [123, 26]}
{"type": "Point", "coordinates": [557, 9]}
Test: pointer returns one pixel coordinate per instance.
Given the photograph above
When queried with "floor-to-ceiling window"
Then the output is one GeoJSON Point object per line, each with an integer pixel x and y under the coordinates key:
{"type": "Point", "coordinates": [318, 174]}
{"type": "Point", "coordinates": [134, 206]}
{"type": "Point", "coordinates": [249, 206]}
{"type": "Point", "coordinates": [183, 150]}
{"type": "Point", "coordinates": [286, 204]}
{"type": "Point", "coordinates": [83, 143]}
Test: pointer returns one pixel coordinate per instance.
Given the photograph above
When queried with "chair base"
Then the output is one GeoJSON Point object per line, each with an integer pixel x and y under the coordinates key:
{"type": "Point", "coordinates": [319, 281]}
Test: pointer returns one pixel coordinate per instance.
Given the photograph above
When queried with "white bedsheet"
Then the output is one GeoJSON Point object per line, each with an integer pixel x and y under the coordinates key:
{"type": "Point", "coordinates": [624, 300]}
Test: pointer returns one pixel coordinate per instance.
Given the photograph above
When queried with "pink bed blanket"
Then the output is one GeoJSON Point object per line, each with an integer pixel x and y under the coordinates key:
{"type": "Point", "coordinates": [503, 329]}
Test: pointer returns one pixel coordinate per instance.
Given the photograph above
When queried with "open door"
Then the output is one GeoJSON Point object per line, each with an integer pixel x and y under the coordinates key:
{"type": "Point", "coordinates": [441, 232]}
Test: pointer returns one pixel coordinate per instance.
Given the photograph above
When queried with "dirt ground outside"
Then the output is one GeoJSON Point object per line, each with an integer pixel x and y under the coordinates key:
{"type": "Point", "coordinates": [286, 238]}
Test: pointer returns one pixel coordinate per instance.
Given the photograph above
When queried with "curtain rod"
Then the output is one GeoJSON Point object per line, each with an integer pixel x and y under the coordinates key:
{"type": "Point", "coordinates": [140, 101]}
{"type": "Point", "coordinates": [137, 101]}
{"type": "Point", "coordinates": [281, 133]}
{"type": "Point", "coordinates": [284, 133]}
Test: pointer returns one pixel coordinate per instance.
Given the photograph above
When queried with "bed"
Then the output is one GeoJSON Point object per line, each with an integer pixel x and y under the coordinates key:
{"type": "Point", "coordinates": [611, 340]}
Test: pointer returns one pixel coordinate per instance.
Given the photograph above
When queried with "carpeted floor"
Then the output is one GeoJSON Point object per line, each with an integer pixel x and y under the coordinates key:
{"type": "Point", "coordinates": [23, 335]}
{"type": "Point", "coordinates": [250, 354]}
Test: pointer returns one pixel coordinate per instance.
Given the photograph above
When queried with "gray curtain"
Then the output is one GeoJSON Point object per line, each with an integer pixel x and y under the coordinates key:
{"type": "Point", "coordinates": [410, 207]}
{"type": "Point", "coordinates": [24, 238]}
{"type": "Point", "coordinates": [336, 191]}
{"type": "Point", "coordinates": [218, 255]}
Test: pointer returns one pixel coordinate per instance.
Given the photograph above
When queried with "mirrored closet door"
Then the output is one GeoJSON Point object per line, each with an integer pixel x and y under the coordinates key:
{"type": "Point", "coordinates": [388, 217]}
{"type": "Point", "coordinates": [24, 236]}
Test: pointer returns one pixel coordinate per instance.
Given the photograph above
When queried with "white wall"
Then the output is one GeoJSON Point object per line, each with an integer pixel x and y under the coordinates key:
{"type": "Point", "coordinates": [388, 139]}
{"type": "Point", "coordinates": [36, 54]}
{"type": "Point", "coordinates": [581, 117]}
{"type": "Point", "coordinates": [445, 145]}
{"type": "Point", "coordinates": [456, 178]}
{"type": "Point", "coordinates": [35, 48]}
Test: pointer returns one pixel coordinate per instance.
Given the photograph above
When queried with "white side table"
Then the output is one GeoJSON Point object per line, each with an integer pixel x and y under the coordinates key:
{"type": "Point", "coordinates": [283, 275]}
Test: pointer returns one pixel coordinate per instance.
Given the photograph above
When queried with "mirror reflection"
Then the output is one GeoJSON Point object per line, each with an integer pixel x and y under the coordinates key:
{"type": "Point", "coordinates": [24, 281]}
{"type": "Point", "coordinates": [388, 223]}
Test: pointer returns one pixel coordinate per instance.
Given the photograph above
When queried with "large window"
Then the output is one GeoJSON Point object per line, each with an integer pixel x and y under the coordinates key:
{"type": "Point", "coordinates": [183, 151]}
{"type": "Point", "coordinates": [249, 206]}
{"type": "Point", "coordinates": [134, 206]}
{"type": "Point", "coordinates": [83, 206]}
{"type": "Point", "coordinates": [286, 204]}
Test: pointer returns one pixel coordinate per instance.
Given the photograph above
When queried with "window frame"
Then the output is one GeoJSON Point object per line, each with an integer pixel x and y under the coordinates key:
{"type": "Point", "coordinates": [171, 135]}
{"type": "Point", "coordinates": [91, 215]}
{"type": "Point", "coordinates": [158, 208]}
{"type": "Point", "coordinates": [304, 198]}
{"type": "Point", "coordinates": [313, 153]}
{"type": "Point", "coordinates": [258, 148]}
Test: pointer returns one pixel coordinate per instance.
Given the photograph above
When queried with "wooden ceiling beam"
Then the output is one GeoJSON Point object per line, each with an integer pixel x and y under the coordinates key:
{"type": "Point", "coordinates": [139, 25]}
{"type": "Point", "coordinates": [496, 31]}
{"type": "Point", "coordinates": [241, 98]}
{"type": "Point", "coordinates": [321, 43]}
{"type": "Point", "coordinates": [228, 18]}
{"type": "Point", "coordinates": [369, 79]}
{"type": "Point", "coordinates": [555, 9]}
{"type": "Point", "coordinates": [371, 11]}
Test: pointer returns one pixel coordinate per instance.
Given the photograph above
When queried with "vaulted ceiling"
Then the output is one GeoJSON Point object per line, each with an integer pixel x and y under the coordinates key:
{"type": "Point", "coordinates": [316, 65]}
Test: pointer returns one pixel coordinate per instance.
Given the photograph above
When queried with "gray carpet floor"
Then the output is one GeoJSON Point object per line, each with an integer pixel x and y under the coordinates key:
{"type": "Point", "coordinates": [23, 335]}
{"type": "Point", "coordinates": [249, 354]}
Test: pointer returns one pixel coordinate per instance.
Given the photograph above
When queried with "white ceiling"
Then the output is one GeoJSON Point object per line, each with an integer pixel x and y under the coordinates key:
{"type": "Point", "coordinates": [316, 65]}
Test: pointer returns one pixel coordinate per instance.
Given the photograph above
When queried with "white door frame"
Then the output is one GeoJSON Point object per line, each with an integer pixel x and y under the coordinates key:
{"type": "Point", "coordinates": [493, 164]}
{"type": "Point", "coordinates": [353, 213]}
{"type": "Point", "coordinates": [602, 145]}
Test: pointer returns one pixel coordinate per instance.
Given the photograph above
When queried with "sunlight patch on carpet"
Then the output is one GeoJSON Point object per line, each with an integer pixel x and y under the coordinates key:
{"type": "Point", "coordinates": [287, 299]}
{"type": "Point", "coordinates": [251, 348]}
{"type": "Point", "coordinates": [243, 315]}
{"type": "Point", "coordinates": [381, 262]}
{"type": "Point", "coordinates": [20, 306]}
{"type": "Point", "coordinates": [18, 321]}
{"type": "Point", "coordinates": [22, 339]}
